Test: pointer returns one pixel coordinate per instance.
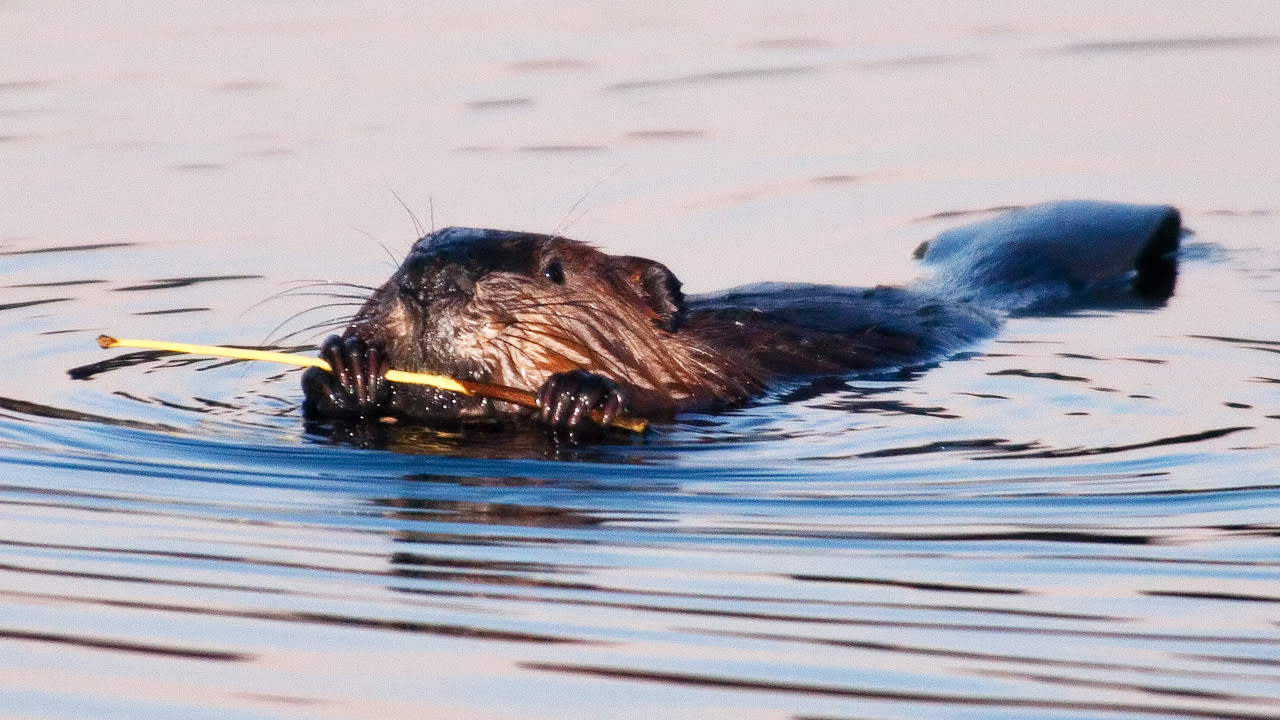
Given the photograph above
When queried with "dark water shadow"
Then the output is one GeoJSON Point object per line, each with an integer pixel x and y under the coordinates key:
{"type": "Point", "coordinates": [23, 407]}
{"type": "Point", "coordinates": [63, 283]}
{"type": "Point", "coordinates": [498, 440]}
{"type": "Point", "coordinates": [499, 103]}
{"type": "Point", "coordinates": [69, 248]}
{"type": "Point", "coordinates": [1174, 44]}
{"type": "Point", "coordinates": [921, 61]}
{"type": "Point", "coordinates": [32, 303]}
{"type": "Point", "coordinates": [1113, 449]}
{"type": "Point", "coordinates": [665, 134]}
{"type": "Point", "coordinates": [873, 693]}
{"type": "Point", "coordinates": [183, 282]}
{"type": "Point", "coordinates": [172, 311]}
{"type": "Point", "coordinates": [128, 646]}
{"type": "Point", "coordinates": [716, 77]}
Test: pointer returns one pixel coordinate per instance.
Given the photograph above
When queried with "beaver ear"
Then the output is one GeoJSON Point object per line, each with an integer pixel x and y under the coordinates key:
{"type": "Point", "coordinates": [660, 289]}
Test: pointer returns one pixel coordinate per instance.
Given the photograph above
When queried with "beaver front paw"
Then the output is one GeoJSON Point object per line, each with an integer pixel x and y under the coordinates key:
{"type": "Point", "coordinates": [566, 400]}
{"type": "Point", "coordinates": [355, 386]}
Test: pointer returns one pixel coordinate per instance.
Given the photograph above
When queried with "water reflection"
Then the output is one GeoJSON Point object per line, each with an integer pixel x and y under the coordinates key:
{"type": "Point", "coordinates": [715, 77]}
{"type": "Point", "coordinates": [68, 248]}
{"type": "Point", "coordinates": [182, 282]}
{"type": "Point", "coordinates": [173, 542]}
{"type": "Point", "coordinates": [536, 558]}
{"type": "Point", "coordinates": [32, 303]}
{"type": "Point", "coordinates": [927, 698]}
{"type": "Point", "coordinates": [1177, 44]}
{"type": "Point", "coordinates": [100, 643]}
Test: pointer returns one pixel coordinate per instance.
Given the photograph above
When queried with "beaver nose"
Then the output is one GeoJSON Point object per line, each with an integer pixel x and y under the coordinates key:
{"type": "Point", "coordinates": [428, 277]}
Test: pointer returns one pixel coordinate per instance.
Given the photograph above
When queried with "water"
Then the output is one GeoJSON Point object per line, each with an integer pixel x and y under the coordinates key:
{"type": "Point", "coordinates": [1077, 519]}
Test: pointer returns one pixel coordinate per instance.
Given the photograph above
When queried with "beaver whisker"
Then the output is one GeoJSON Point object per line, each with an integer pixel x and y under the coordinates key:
{"type": "Point", "coordinates": [523, 348]}
{"type": "Point", "coordinates": [355, 299]}
{"type": "Point", "coordinates": [533, 297]}
{"type": "Point", "coordinates": [314, 328]}
{"type": "Point", "coordinates": [574, 303]}
{"type": "Point", "coordinates": [623, 364]}
{"type": "Point", "coordinates": [567, 352]}
{"type": "Point", "coordinates": [593, 315]}
{"type": "Point", "coordinates": [590, 319]}
{"type": "Point", "coordinates": [553, 343]}
{"type": "Point", "coordinates": [550, 333]}
{"type": "Point", "coordinates": [323, 306]}
{"type": "Point", "coordinates": [509, 370]}
{"type": "Point", "coordinates": [660, 370]}
{"type": "Point", "coordinates": [324, 324]}
{"type": "Point", "coordinates": [550, 300]}
{"type": "Point", "coordinates": [329, 283]}
{"type": "Point", "coordinates": [297, 291]}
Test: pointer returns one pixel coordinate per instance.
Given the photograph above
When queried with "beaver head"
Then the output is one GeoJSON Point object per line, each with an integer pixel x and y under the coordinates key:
{"type": "Point", "coordinates": [512, 308]}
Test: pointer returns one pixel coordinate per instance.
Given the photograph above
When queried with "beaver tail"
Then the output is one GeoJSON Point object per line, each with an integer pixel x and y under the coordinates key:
{"type": "Point", "coordinates": [1059, 256]}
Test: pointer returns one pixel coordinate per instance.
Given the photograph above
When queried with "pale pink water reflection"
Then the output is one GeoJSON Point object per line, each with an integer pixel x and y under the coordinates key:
{"type": "Point", "coordinates": [1028, 548]}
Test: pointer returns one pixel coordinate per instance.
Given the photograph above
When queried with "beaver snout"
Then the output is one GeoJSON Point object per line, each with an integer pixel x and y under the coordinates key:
{"type": "Point", "coordinates": [428, 278]}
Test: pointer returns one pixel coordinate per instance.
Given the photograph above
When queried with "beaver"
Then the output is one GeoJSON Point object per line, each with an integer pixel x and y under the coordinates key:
{"type": "Point", "coordinates": [616, 334]}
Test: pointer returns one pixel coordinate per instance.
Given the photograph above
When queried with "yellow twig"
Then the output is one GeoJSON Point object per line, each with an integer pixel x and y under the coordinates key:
{"type": "Point", "coordinates": [442, 382]}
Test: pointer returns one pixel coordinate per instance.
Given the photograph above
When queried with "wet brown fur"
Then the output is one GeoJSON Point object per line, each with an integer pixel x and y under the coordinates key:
{"type": "Point", "coordinates": [615, 316]}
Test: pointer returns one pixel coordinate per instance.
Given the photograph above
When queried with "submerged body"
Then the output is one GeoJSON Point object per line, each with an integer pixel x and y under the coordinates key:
{"type": "Point", "coordinates": [615, 333]}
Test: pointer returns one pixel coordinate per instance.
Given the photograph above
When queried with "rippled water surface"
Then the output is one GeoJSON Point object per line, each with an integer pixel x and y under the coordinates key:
{"type": "Point", "coordinates": [1075, 519]}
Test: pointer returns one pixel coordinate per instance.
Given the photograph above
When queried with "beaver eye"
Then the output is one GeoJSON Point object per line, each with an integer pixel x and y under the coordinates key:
{"type": "Point", "coordinates": [554, 271]}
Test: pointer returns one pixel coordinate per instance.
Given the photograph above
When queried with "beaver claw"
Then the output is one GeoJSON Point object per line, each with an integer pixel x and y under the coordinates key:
{"type": "Point", "coordinates": [356, 384]}
{"type": "Point", "coordinates": [566, 400]}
